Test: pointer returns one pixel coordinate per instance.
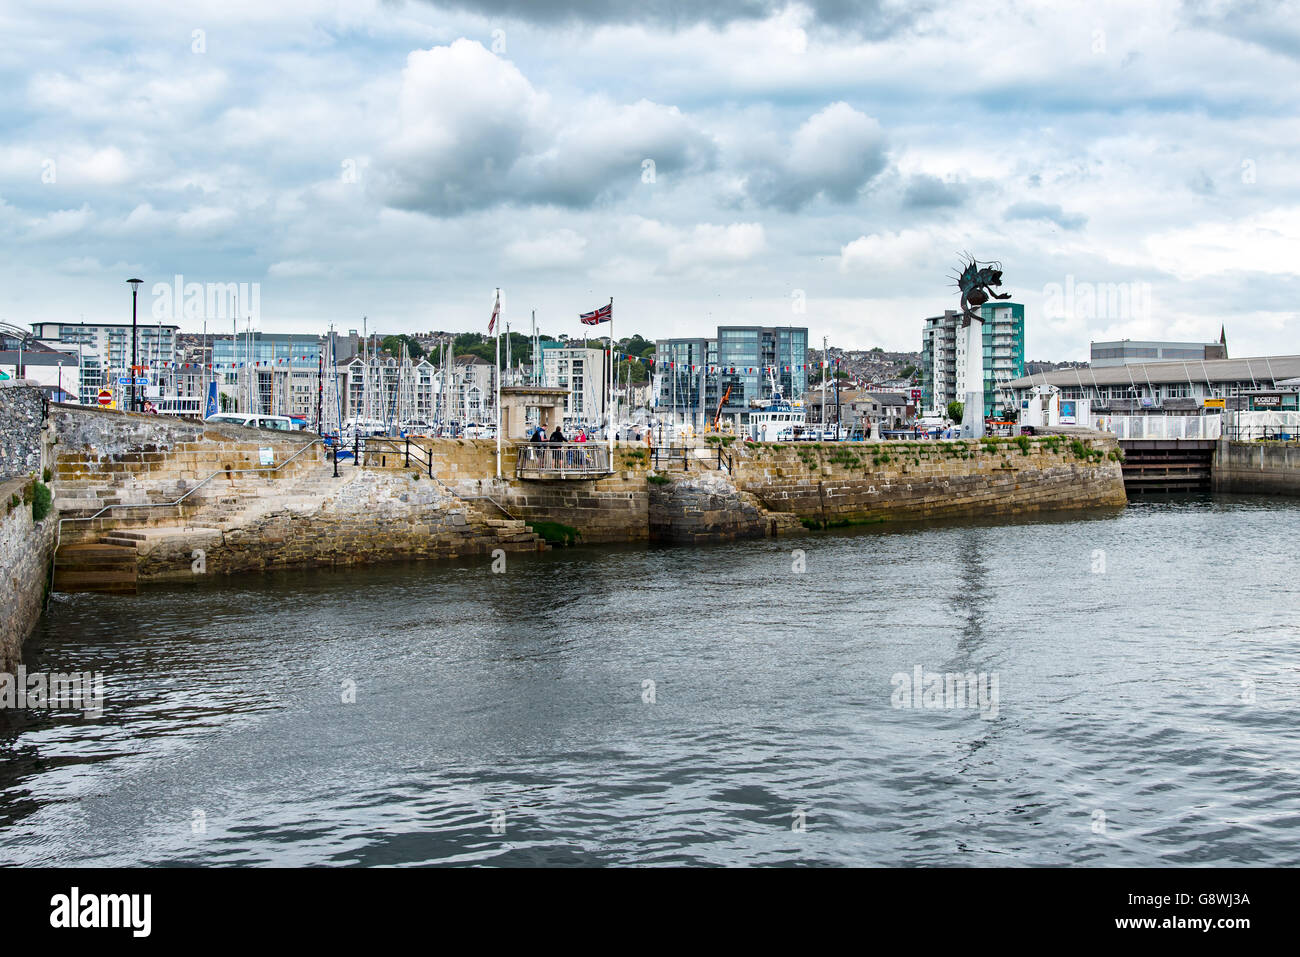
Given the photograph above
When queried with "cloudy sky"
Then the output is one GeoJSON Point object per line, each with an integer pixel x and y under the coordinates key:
{"type": "Point", "coordinates": [819, 163]}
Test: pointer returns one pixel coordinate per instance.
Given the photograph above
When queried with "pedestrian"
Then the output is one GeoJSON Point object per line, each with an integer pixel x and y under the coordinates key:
{"type": "Point", "coordinates": [582, 436]}
{"type": "Point", "coordinates": [557, 436]}
{"type": "Point", "coordinates": [537, 435]}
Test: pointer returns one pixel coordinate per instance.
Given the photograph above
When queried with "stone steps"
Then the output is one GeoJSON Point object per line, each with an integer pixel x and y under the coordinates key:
{"type": "Point", "coordinates": [95, 567]}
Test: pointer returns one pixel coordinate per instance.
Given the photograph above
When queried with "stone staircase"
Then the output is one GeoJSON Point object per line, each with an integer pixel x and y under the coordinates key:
{"type": "Point", "coordinates": [105, 555]}
{"type": "Point", "coordinates": [95, 567]}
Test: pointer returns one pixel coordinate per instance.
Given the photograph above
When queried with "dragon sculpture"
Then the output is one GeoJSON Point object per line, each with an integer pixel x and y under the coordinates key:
{"type": "Point", "coordinates": [976, 283]}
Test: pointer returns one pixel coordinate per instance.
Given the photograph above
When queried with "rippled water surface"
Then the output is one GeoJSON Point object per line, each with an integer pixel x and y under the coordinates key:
{"type": "Point", "coordinates": [1146, 713]}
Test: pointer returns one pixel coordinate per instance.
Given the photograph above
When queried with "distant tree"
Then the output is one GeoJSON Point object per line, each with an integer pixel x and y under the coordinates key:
{"type": "Point", "coordinates": [633, 370]}
{"type": "Point", "coordinates": [393, 346]}
{"type": "Point", "coordinates": [956, 411]}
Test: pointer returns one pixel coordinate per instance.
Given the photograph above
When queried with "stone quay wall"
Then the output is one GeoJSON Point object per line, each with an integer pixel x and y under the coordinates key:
{"type": "Point", "coordinates": [364, 517]}
{"type": "Point", "coordinates": [22, 417]}
{"type": "Point", "coordinates": [446, 501]}
{"type": "Point", "coordinates": [613, 508]}
{"type": "Point", "coordinates": [26, 558]}
{"type": "Point", "coordinates": [1264, 468]}
{"type": "Point", "coordinates": [707, 507]}
{"type": "Point", "coordinates": [104, 457]}
{"type": "Point", "coordinates": [851, 482]}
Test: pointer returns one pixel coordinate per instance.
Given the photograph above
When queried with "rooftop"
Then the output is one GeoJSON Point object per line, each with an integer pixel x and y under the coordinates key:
{"type": "Point", "coordinates": [1255, 368]}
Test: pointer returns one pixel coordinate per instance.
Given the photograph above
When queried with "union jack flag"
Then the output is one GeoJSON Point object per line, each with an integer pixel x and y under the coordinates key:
{"type": "Point", "coordinates": [496, 312]}
{"type": "Point", "coordinates": [603, 314]}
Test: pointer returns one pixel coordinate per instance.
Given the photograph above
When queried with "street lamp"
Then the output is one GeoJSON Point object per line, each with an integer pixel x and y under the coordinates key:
{"type": "Point", "coordinates": [135, 289]}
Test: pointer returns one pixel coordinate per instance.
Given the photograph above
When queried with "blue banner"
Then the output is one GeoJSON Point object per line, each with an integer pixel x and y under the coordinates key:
{"type": "Point", "coordinates": [210, 407]}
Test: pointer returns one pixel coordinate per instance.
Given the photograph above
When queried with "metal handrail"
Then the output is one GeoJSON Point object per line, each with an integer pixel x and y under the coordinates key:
{"type": "Point", "coordinates": [58, 536]}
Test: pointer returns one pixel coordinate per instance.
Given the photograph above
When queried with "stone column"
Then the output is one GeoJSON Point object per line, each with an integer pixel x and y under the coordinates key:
{"type": "Point", "coordinates": [972, 423]}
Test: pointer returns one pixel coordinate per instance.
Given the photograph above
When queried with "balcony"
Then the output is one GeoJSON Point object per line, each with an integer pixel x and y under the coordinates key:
{"type": "Point", "coordinates": [562, 460]}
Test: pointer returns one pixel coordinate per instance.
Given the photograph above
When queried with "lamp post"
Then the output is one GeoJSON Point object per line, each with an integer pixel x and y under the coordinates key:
{"type": "Point", "coordinates": [135, 289]}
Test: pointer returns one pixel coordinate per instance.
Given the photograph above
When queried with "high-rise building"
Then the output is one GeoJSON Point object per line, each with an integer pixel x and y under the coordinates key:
{"type": "Point", "coordinates": [1004, 353]}
{"type": "Point", "coordinates": [694, 374]}
{"type": "Point", "coordinates": [939, 360]}
{"type": "Point", "coordinates": [944, 360]}
{"type": "Point", "coordinates": [582, 372]}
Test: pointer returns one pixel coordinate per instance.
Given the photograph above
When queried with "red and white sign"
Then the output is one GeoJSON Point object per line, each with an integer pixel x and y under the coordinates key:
{"type": "Point", "coordinates": [916, 395]}
{"type": "Point", "coordinates": [105, 397]}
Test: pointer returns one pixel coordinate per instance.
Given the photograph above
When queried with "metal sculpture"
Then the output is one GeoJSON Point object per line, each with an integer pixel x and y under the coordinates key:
{"type": "Point", "coordinates": [977, 281]}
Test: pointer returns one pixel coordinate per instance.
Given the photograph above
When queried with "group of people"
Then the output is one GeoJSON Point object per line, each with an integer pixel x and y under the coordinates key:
{"type": "Point", "coordinates": [538, 434]}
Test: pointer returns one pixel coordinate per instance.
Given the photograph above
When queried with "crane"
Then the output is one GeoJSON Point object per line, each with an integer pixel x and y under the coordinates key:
{"type": "Point", "coordinates": [718, 415]}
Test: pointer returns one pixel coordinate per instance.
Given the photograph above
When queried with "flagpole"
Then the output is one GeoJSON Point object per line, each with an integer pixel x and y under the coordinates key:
{"type": "Point", "coordinates": [612, 367]}
{"type": "Point", "coordinates": [498, 374]}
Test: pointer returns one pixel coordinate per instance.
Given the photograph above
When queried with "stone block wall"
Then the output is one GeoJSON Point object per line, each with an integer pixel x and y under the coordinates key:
{"type": "Point", "coordinates": [373, 516]}
{"type": "Point", "coordinates": [614, 508]}
{"type": "Point", "coordinates": [707, 507]}
{"type": "Point", "coordinates": [845, 483]}
{"type": "Point", "coordinates": [104, 457]}
{"type": "Point", "coordinates": [26, 557]}
{"type": "Point", "coordinates": [22, 416]}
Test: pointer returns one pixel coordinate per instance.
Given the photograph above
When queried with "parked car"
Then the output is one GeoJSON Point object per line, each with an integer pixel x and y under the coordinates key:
{"type": "Point", "coordinates": [280, 423]}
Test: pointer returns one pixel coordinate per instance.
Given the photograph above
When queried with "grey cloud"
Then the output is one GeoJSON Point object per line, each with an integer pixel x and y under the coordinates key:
{"type": "Point", "coordinates": [875, 18]}
{"type": "Point", "coordinates": [1271, 24]}
{"type": "Point", "coordinates": [929, 192]}
{"type": "Point", "coordinates": [835, 154]}
{"type": "Point", "coordinates": [1051, 212]}
{"type": "Point", "coordinates": [473, 133]}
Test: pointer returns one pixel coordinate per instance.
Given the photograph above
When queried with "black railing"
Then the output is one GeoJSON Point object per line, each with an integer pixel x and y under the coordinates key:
{"type": "Point", "coordinates": [563, 458]}
{"type": "Point", "coordinates": [666, 457]}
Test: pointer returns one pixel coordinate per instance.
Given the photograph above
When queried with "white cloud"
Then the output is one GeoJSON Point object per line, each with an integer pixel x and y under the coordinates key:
{"type": "Point", "coordinates": [473, 133]}
{"type": "Point", "coordinates": [296, 269]}
{"type": "Point", "coordinates": [1265, 243]}
{"type": "Point", "coordinates": [886, 254]}
{"type": "Point", "coordinates": [563, 247]}
{"type": "Point", "coordinates": [834, 154]}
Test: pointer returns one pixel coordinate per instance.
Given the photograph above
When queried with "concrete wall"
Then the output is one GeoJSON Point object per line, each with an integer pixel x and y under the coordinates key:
{"type": "Point", "coordinates": [843, 483]}
{"type": "Point", "coordinates": [1267, 468]}
{"type": "Point", "coordinates": [22, 416]}
{"type": "Point", "coordinates": [26, 555]}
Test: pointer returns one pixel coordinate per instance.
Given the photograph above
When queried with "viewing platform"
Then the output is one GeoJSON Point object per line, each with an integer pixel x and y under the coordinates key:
{"type": "Point", "coordinates": [546, 461]}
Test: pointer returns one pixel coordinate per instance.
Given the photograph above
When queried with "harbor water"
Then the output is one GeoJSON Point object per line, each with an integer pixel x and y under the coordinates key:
{"type": "Point", "coordinates": [1136, 683]}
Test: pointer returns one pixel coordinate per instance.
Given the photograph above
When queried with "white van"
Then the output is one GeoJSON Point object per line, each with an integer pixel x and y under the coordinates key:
{"type": "Point", "coordinates": [280, 423]}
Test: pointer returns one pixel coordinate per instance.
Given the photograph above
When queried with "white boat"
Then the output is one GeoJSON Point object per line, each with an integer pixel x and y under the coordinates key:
{"type": "Point", "coordinates": [778, 421]}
